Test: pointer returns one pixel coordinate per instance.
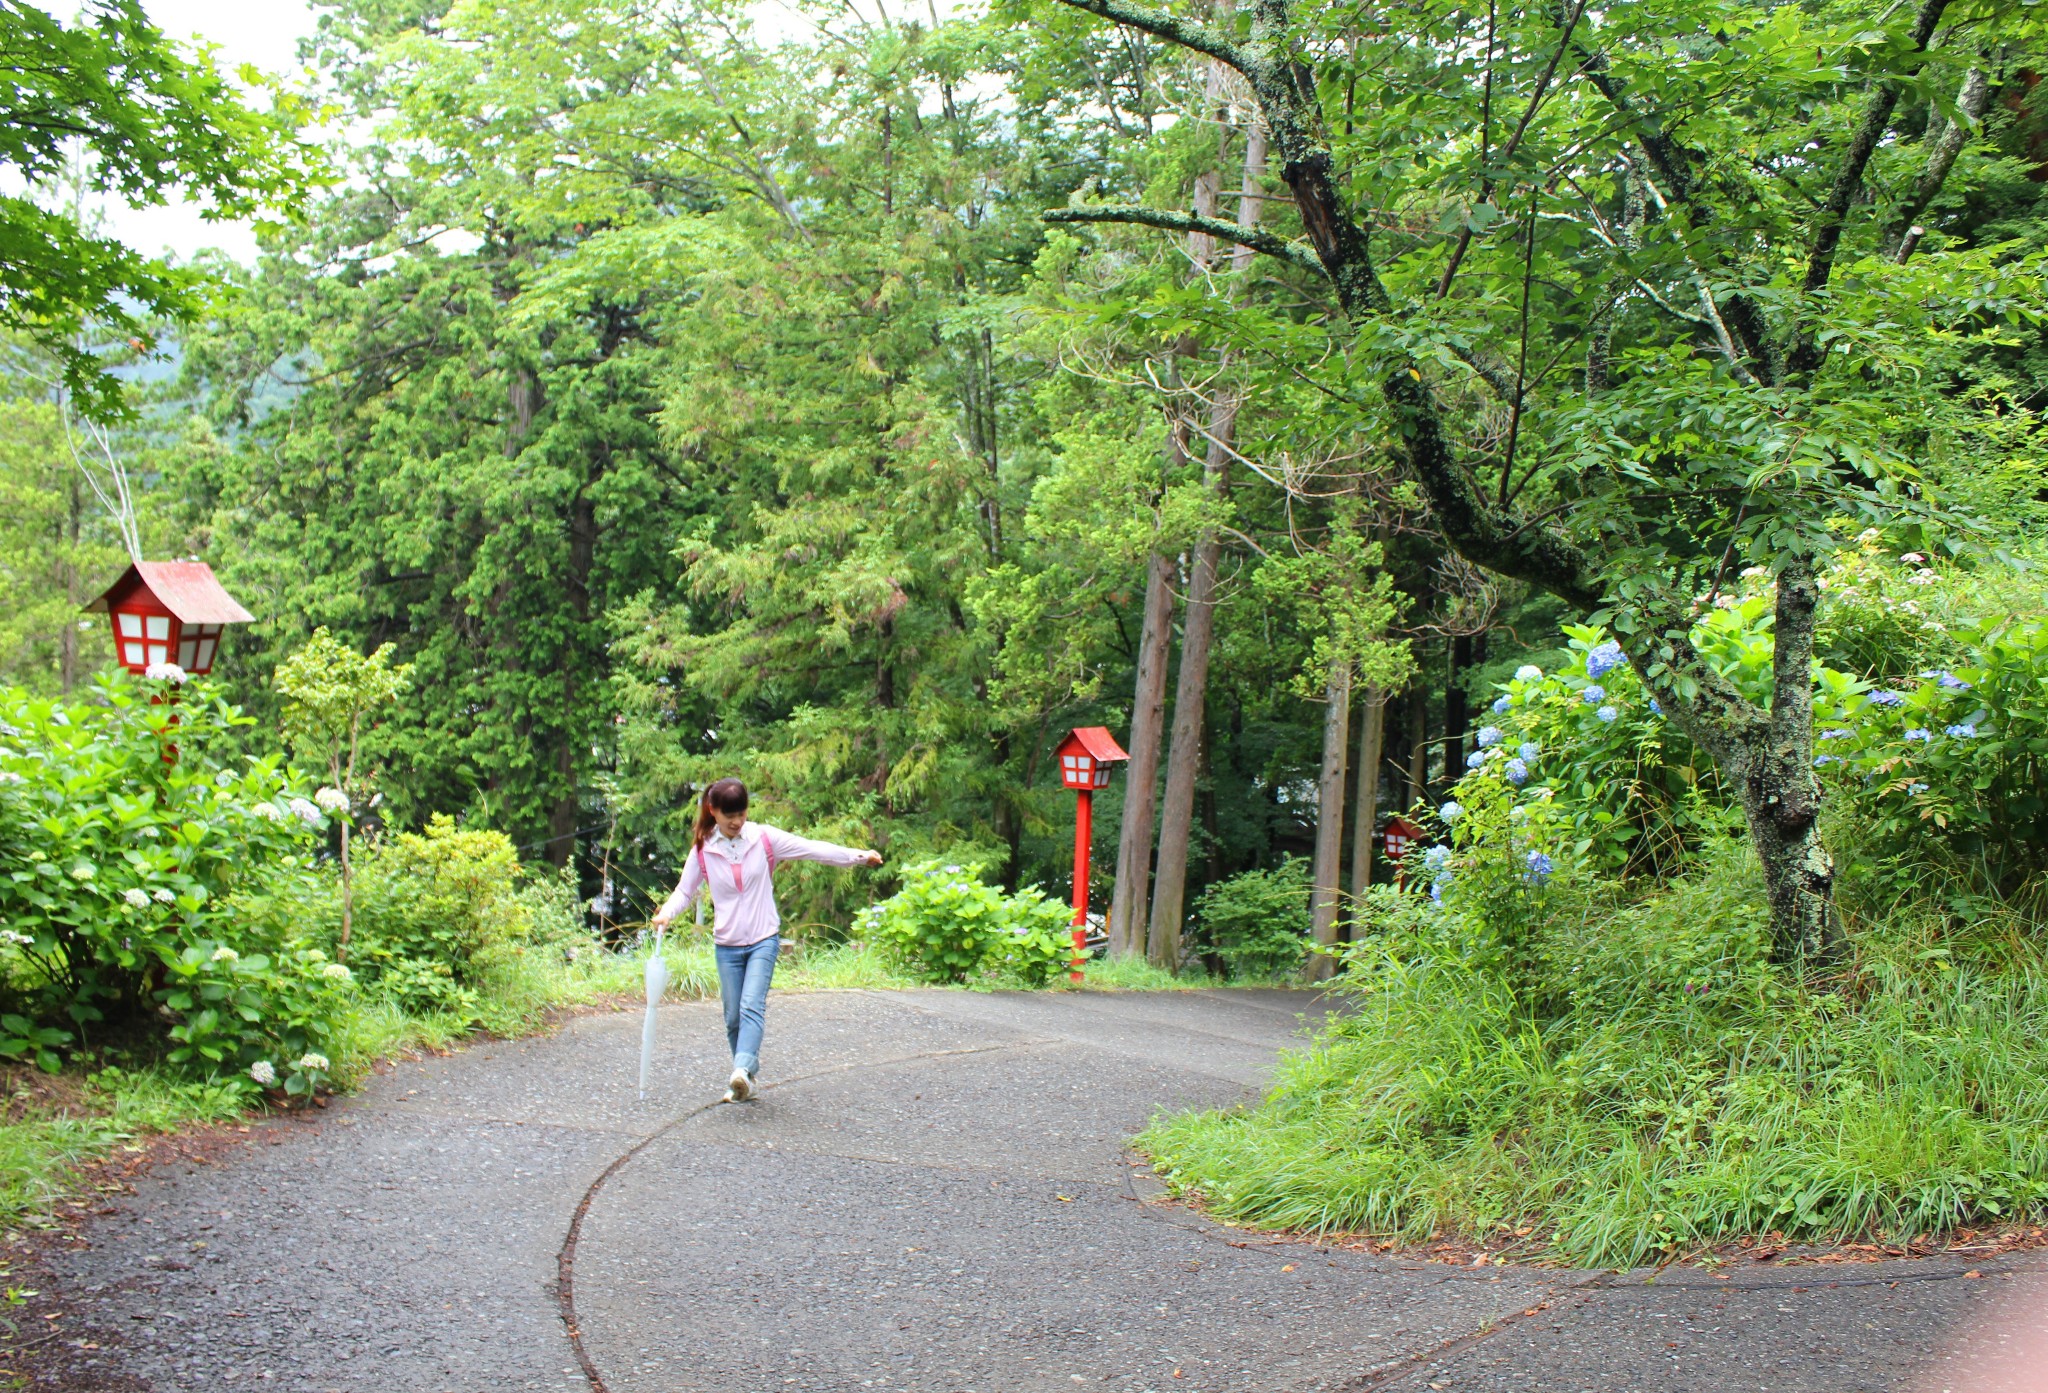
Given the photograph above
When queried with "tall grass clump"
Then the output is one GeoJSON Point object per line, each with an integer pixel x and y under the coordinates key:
{"type": "Point", "coordinates": [1643, 1084]}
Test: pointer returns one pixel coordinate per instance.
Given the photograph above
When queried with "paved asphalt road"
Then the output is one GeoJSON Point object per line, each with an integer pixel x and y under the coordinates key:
{"type": "Point", "coordinates": [931, 1195]}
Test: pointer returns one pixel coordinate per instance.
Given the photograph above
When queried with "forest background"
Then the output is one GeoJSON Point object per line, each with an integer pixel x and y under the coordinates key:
{"type": "Point", "coordinates": [681, 402]}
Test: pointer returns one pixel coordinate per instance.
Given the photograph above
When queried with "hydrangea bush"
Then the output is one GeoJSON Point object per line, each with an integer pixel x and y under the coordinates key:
{"type": "Point", "coordinates": [1623, 790]}
{"type": "Point", "coordinates": [127, 840]}
{"type": "Point", "coordinates": [946, 924]}
{"type": "Point", "coordinates": [1947, 764]}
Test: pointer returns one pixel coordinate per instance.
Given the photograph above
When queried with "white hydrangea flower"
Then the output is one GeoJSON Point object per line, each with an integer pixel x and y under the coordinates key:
{"type": "Point", "coordinates": [15, 937]}
{"type": "Point", "coordinates": [225, 954]}
{"type": "Point", "coordinates": [1868, 534]}
{"type": "Point", "coordinates": [1753, 572]}
{"type": "Point", "coordinates": [81, 872]}
{"type": "Point", "coordinates": [304, 811]}
{"type": "Point", "coordinates": [1528, 672]}
{"type": "Point", "coordinates": [267, 811]}
{"type": "Point", "coordinates": [166, 897]}
{"type": "Point", "coordinates": [336, 972]}
{"type": "Point", "coordinates": [165, 672]}
{"type": "Point", "coordinates": [263, 1073]}
{"type": "Point", "coordinates": [313, 1061]}
{"type": "Point", "coordinates": [138, 898]}
{"type": "Point", "coordinates": [332, 800]}
{"type": "Point", "coordinates": [8, 776]}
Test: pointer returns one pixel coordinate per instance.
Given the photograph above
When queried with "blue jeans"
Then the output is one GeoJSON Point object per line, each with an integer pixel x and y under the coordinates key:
{"type": "Point", "coordinates": [743, 978]}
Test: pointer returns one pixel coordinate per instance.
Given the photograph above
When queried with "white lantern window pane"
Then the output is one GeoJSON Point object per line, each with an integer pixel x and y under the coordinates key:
{"type": "Point", "coordinates": [131, 625]}
{"type": "Point", "coordinates": [156, 653]}
{"type": "Point", "coordinates": [188, 652]}
{"type": "Point", "coordinates": [131, 654]}
{"type": "Point", "coordinates": [205, 661]}
{"type": "Point", "coordinates": [157, 626]}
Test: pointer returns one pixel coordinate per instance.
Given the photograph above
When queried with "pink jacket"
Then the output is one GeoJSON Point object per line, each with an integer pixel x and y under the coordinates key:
{"type": "Point", "coordinates": [742, 885]}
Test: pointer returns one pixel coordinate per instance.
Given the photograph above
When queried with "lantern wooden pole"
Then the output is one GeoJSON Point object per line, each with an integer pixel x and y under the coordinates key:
{"type": "Point", "coordinates": [1084, 836]}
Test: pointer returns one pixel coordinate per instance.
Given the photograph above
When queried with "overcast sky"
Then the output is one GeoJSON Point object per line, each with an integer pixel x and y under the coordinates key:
{"type": "Point", "coordinates": [262, 32]}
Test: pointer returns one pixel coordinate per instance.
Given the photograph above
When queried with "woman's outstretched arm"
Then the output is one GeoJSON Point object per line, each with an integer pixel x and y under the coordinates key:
{"type": "Point", "coordinates": [788, 846]}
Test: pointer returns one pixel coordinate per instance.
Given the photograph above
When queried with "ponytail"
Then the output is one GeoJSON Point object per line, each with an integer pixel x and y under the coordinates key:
{"type": "Point", "coordinates": [724, 796]}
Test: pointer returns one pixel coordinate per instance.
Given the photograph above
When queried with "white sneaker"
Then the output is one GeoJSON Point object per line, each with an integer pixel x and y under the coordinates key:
{"type": "Point", "coordinates": [739, 1088]}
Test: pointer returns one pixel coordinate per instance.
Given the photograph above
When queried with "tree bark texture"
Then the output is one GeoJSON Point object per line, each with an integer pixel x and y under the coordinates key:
{"type": "Point", "coordinates": [1372, 729]}
{"type": "Point", "coordinates": [1329, 860]}
{"type": "Point", "coordinates": [1974, 100]}
{"type": "Point", "coordinates": [1177, 804]}
{"type": "Point", "coordinates": [1131, 895]}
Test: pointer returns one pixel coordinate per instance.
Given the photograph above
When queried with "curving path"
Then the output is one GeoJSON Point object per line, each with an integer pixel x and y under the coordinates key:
{"type": "Point", "coordinates": [932, 1195]}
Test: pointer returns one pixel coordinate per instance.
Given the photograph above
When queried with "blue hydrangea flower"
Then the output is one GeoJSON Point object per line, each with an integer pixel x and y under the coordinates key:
{"type": "Point", "coordinates": [1607, 713]}
{"type": "Point", "coordinates": [1837, 733]}
{"type": "Point", "coordinates": [1952, 682]}
{"type": "Point", "coordinates": [1604, 659]}
{"type": "Point", "coordinates": [1489, 736]}
{"type": "Point", "coordinates": [1916, 788]}
{"type": "Point", "coordinates": [1540, 867]}
{"type": "Point", "coordinates": [1501, 704]}
{"type": "Point", "coordinates": [1594, 695]}
{"type": "Point", "coordinates": [1451, 812]}
{"type": "Point", "coordinates": [1516, 772]}
{"type": "Point", "coordinates": [1436, 893]}
{"type": "Point", "coordinates": [1528, 672]}
{"type": "Point", "coordinates": [1436, 858]}
{"type": "Point", "coordinates": [1919, 733]}
{"type": "Point", "coordinates": [1887, 698]}
{"type": "Point", "coordinates": [1819, 760]}
{"type": "Point", "coordinates": [1962, 731]}
{"type": "Point", "coordinates": [1655, 709]}
{"type": "Point", "coordinates": [1528, 750]}
{"type": "Point", "coordinates": [1477, 759]}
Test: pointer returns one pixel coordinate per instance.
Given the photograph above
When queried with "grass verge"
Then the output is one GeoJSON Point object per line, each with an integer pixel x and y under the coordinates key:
{"type": "Point", "coordinates": [1648, 1086]}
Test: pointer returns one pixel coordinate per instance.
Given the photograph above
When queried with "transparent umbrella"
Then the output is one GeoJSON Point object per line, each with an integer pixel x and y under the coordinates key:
{"type": "Point", "coordinates": [657, 983]}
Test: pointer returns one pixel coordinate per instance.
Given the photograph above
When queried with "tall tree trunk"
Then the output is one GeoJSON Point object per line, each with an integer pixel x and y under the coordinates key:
{"type": "Point", "coordinates": [1457, 718]}
{"type": "Point", "coordinates": [1177, 810]}
{"type": "Point", "coordinates": [67, 633]}
{"type": "Point", "coordinates": [1130, 897]}
{"type": "Point", "coordinates": [1418, 743]}
{"type": "Point", "coordinates": [1371, 734]}
{"type": "Point", "coordinates": [1329, 862]}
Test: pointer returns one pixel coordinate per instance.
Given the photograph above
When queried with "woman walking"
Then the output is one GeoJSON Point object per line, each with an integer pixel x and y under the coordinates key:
{"type": "Point", "coordinates": [737, 859]}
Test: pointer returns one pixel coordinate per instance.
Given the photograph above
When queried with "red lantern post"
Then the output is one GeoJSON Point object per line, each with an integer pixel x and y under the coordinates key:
{"type": "Point", "coordinates": [1085, 758]}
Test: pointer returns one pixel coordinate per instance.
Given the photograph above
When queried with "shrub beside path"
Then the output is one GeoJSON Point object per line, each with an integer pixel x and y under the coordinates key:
{"type": "Point", "coordinates": [931, 1195]}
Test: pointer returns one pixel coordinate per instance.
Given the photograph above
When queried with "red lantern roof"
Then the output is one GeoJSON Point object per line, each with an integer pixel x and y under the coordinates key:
{"type": "Point", "coordinates": [1085, 756]}
{"type": "Point", "coordinates": [168, 612]}
{"type": "Point", "coordinates": [187, 589]}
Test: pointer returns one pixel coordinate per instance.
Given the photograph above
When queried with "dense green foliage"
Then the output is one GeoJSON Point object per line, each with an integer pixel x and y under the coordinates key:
{"type": "Point", "coordinates": [1256, 923]}
{"type": "Point", "coordinates": [949, 925]}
